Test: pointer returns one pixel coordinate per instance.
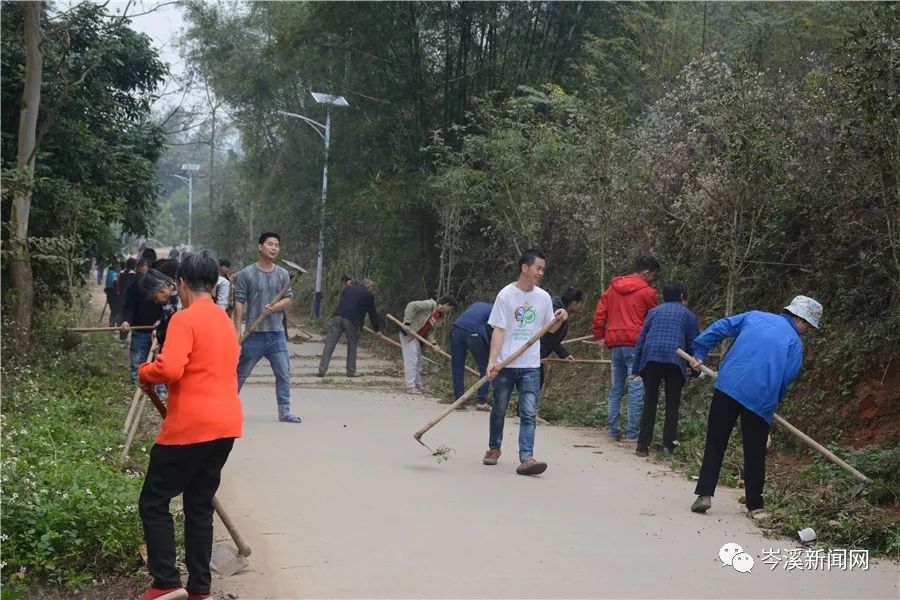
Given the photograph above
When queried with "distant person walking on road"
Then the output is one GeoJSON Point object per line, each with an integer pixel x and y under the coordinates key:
{"type": "Point", "coordinates": [420, 316]}
{"type": "Point", "coordinates": [617, 324]}
{"type": "Point", "coordinates": [112, 300]}
{"type": "Point", "coordinates": [223, 287]}
{"type": "Point", "coordinates": [356, 302]}
{"type": "Point", "coordinates": [765, 358]}
{"type": "Point", "coordinates": [254, 289]}
{"type": "Point", "coordinates": [668, 327]}
{"type": "Point", "coordinates": [203, 418]}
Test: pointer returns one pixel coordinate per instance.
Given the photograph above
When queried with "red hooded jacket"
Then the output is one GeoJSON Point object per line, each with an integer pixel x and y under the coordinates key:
{"type": "Point", "coordinates": [621, 311]}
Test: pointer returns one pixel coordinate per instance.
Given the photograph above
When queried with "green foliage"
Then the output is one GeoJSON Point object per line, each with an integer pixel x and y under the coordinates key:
{"type": "Point", "coordinates": [94, 174]}
{"type": "Point", "coordinates": [69, 506]}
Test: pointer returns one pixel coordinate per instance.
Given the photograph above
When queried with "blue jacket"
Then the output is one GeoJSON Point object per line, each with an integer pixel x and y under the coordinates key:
{"type": "Point", "coordinates": [475, 320]}
{"type": "Point", "coordinates": [667, 327]}
{"type": "Point", "coordinates": [765, 358]}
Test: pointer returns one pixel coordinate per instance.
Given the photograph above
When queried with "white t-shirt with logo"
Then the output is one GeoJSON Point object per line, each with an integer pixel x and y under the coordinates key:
{"type": "Point", "coordinates": [521, 315]}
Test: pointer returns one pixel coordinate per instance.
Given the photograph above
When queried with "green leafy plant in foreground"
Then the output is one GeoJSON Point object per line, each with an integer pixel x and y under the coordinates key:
{"type": "Point", "coordinates": [69, 506]}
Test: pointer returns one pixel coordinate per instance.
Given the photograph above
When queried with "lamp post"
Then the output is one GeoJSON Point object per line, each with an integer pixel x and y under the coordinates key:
{"type": "Point", "coordinates": [325, 132]}
{"type": "Point", "coordinates": [190, 168]}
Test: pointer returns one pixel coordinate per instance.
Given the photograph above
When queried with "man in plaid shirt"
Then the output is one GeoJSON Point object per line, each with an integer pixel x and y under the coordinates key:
{"type": "Point", "coordinates": [668, 327]}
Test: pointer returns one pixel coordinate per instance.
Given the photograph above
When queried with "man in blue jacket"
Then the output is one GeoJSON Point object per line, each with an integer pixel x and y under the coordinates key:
{"type": "Point", "coordinates": [471, 333]}
{"type": "Point", "coordinates": [766, 357]}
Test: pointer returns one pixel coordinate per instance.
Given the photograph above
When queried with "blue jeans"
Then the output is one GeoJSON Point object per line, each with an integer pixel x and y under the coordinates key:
{"type": "Point", "coordinates": [462, 341]}
{"type": "Point", "coordinates": [622, 361]}
{"type": "Point", "coordinates": [140, 350]}
{"type": "Point", "coordinates": [528, 383]}
{"type": "Point", "coordinates": [273, 346]}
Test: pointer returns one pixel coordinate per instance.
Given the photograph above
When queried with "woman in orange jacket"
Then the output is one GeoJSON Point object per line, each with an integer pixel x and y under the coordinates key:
{"type": "Point", "coordinates": [199, 365]}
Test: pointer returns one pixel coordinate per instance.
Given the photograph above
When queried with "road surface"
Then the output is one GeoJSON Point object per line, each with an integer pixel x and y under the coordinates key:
{"type": "Point", "coordinates": [348, 505]}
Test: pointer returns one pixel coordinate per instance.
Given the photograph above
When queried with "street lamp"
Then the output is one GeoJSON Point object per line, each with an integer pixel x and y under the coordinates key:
{"type": "Point", "coordinates": [324, 132]}
{"type": "Point", "coordinates": [189, 168]}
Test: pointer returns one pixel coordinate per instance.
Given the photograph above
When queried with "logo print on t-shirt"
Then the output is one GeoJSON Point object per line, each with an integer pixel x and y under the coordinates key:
{"type": "Point", "coordinates": [524, 314]}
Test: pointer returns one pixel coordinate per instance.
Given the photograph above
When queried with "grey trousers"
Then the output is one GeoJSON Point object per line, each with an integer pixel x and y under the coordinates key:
{"type": "Point", "coordinates": [338, 326]}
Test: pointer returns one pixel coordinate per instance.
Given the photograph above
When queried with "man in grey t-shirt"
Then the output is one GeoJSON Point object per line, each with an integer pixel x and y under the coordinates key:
{"type": "Point", "coordinates": [255, 288]}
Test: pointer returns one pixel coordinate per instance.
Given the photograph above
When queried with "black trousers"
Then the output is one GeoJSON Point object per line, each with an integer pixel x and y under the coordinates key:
{"type": "Point", "coordinates": [723, 413]}
{"type": "Point", "coordinates": [653, 374]}
{"type": "Point", "coordinates": [192, 470]}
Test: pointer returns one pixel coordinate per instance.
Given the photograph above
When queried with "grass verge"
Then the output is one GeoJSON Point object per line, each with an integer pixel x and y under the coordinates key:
{"type": "Point", "coordinates": [69, 504]}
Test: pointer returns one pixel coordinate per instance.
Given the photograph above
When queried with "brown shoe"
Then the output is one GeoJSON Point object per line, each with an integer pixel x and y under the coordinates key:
{"type": "Point", "coordinates": [530, 466]}
{"type": "Point", "coordinates": [483, 407]}
{"type": "Point", "coordinates": [491, 456]}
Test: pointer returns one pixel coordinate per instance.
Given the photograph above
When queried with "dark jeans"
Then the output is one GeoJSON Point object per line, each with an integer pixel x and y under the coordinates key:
{"type": "Point", "coordinates": [337, 327]}
{"type": "Point", "coordinates": [462, 341]}
{"type": "Point", "coordinates": [192, 470]}
{"type": "Point", "coordinates": [141, 341]}
{"type": "Point", "coordinates": [653, 374]}
{"type": "Point", "coordinates": [723, 413]}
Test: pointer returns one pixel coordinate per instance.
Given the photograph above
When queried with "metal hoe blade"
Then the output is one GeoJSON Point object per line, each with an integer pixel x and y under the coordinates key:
{"type": "Point", "coordinates": [294, 266]}
{"type": "Point", "coordinates": [226, 560]}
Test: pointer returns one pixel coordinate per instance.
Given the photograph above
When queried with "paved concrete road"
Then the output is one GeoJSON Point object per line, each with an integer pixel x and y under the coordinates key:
{"type": "Point", "coordinates": [348, 505]}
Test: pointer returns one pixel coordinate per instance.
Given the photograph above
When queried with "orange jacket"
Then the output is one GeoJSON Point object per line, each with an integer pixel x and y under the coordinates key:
{"type": "Point", "coordinates": [199, 364]}
{"type": "Point", "coordinates": [621, 311]}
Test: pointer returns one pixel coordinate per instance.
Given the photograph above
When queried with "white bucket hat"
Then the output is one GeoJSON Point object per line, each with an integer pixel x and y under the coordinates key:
{"type": "Point", "coordinates": [807, 309]}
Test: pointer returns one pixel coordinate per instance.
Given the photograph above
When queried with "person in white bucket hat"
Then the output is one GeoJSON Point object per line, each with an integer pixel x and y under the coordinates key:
{"type": "Point", "coordinates": [765, 358]}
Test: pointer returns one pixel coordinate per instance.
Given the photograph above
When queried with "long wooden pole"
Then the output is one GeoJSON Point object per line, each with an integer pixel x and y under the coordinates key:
{"type": "Point", "coordinates": [385, 338]}
{"type": "Point", "coordinates": [799, 434]}
{"type": "Point", "coordinates": [577, 361]}
{"type": "Point", "coordinates": [471, 391]}
{"type": "Point", "coordinates": [108, 329]}
{"type": "Point", "coordinates": [434, 347]}
{"type": "Point", "coordinates": [578, 339]}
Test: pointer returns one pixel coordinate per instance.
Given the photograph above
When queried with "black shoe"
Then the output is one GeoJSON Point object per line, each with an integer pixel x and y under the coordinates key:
{"type": "Point", "coordinates": [642, 452]}
{"type": "Point", "coordinates": [320, 374]}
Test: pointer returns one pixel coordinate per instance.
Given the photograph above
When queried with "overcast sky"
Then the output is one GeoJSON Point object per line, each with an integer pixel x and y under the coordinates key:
{"type": "Point", "coordinates": [162, 25]}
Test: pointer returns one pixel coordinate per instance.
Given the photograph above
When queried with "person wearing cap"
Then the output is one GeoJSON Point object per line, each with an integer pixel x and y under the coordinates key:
{"type": "Point", "coordinates": [763, 361]}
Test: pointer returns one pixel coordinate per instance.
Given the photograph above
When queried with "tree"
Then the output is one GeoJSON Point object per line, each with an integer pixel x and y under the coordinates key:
{"type": "Point", "coordinates": [94, 150]}
{"type": "Point", "coordinates": [20, 263]}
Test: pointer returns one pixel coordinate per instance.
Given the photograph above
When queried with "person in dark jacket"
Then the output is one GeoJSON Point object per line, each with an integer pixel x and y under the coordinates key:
{"type": "Point", "coordinates": [127, 276]}
{"type": "Point", "coordinates": [617, 325]}
{"type": "Point", "coordinates": [667, 328]}
{"type": "Point", "coordinates": [471, 333]}
{"type": "Point", "coordinates": [573, 301]}
{"type": "Point", "coordinates": [349, 316]}
{"type": "Point", "coordinates": [165, 294]}
{"type": "Point", "coordinates": [139, 311]}
{"type": "Point", "coordinates": [764, 360]}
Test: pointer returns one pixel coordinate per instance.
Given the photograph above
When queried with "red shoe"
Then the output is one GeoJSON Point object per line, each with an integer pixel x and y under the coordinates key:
{"type": "Point", "coordinates": [193, 596]}
{"type": "Point", "coordinates": [178, 593]}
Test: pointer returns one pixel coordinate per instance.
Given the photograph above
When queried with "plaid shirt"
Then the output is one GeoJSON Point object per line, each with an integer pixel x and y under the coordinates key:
{"type": "Point", "coordinates": [668, 326]}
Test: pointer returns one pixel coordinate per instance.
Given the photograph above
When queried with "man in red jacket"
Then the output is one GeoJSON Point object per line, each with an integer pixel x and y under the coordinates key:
{"type": "Point", "coordinates": [617, 325]}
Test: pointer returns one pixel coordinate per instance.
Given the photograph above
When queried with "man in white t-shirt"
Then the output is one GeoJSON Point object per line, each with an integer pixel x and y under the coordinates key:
{"type": "Point", "coordinates": [520, 311]}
